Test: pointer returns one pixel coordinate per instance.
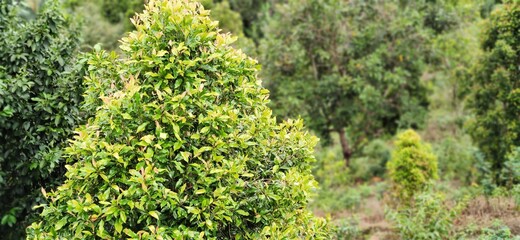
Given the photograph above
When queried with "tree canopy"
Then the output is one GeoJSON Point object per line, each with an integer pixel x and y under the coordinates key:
{"type": "Point", "coordinates": [352, 67]}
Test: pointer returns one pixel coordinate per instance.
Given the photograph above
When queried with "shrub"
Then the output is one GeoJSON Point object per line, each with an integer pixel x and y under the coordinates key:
{"type": "Point", "coordinates": [427, 218]}
{"type": "Point", "coordinates": [96, 29]}
{"type": "Point", "coordinates": [510, 174]}
{"type": "Point", "coordinates": [412, 166]}
{"type": "Point", "coordinates": [330, 170]}
{"type": "Point", "coordinates": [516, 195]}
{"type": "Point", "coordinates": [372, 162]}
{"type": "Point", "coordinates": [117, 11]}
{"type": "Point", "coordinates": [40, 95]}
{"type": "Point", "coordinates": [335, 191]}
{"type": "Point", "coordinates": [348, 229]}
{"type": "Point", "coordinates": [187, 148]}
{"type": "Point", "coordinates": [497, 232]}
{"type": "Point", "coordinates": [456, 159]}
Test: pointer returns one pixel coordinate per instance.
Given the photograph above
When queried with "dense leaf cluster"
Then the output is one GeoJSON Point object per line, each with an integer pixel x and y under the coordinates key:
{"type": "Point", "coordinates": [412, 166]}
{"type": "Point", "coordinates": [40, 93]}
{"type": "Point", "coordinates": [183, 145]}
{"type": "Point", "coordinates": [495, 99]}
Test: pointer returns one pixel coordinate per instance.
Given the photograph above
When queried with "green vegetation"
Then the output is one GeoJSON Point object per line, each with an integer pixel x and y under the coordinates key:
{"type": "Point", "coordinates": [427, 218]}
{"type": "Point", "coordinates": [186, 149]}
{"type": "Point", "coordinates": [495, 85]}
{"type": "Point", "coordinates": [195, 119]}
{"type": "Point", "coordinates": [40, 96]}
{"type": "Point", "coordinates": [412, 167]}
{"type": "Point", "coordinates": [347, 68]}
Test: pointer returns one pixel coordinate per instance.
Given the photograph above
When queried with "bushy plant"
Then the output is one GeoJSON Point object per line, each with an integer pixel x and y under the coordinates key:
{"type": "Point", "coordinates": [510, 174]}
{"type": "Point", "coordinates": [184, 145]}
{"type": "Point", "coordinates": [40, 95]}
{"type": "Point", "coordinates": [495, 99]}
{"type": "Point", "coordinates": [427, 218]}
{"type": "Point", "coordinates": [515, 192]}
{"type": "Point", "coordinates": [456, 159]}
{"type": "Point", "coordinates": [497, 232]}
{"type": "Point", "coordinates": [120, 11]}
{"type": "Point", "coordinates": [330, 170]}
{"type": "Point", "coordinates": [412, 166]}
{"type": "Point", "coordinates": [372, 161]}
{"type": "Point", "coordinates": [348, 229]}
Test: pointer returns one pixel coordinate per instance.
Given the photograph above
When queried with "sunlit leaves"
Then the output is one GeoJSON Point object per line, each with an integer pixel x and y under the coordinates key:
{"type": "Point", "coordinates": [412, 167]}
{"type": "Point", "coordinates": [182, 143]}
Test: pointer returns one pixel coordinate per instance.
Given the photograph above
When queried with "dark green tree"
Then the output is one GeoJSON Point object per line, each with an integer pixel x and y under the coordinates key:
{"type": "Point", "coordinates": [183, 145]}
{"type": "Point", "coordinates": [495, 86]}
{"type": "Point", "coordinates": [351, 67]}
{"type": "Point", "coordinates": [40, 94]}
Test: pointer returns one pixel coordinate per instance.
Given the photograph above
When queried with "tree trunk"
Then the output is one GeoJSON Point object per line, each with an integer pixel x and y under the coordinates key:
{"type": "Point", "coordinates": [347, 152]}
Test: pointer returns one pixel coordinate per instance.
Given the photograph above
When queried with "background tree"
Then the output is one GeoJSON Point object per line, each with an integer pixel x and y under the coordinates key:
{"type": "Point", "coordinates": [351, 67]}
{"type": "Point", "coordinates": [495, 86]}
{"type": "Point", "coordinates": [117, 11]}
{"type": "Point", "coordinates": [231, 21]}
{"type": "Point", "coordinates": [184, 146]}
{"type": "Point", "coordinates": [40, 93]}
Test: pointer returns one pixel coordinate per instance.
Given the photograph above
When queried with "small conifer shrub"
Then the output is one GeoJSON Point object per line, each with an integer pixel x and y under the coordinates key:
{"type": "Point", "coordinates": [412, 166]}
{"type": "Point", "coordinates": [182, 145]}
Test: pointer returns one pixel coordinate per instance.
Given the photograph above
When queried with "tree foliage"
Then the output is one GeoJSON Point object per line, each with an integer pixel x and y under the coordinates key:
{"type": "Point", "coordinates": [495, 86]}
{"type": "Point", "coordinates": [412, 166]}
{"type": "Point", "coordinates": [183, 145]}
{"type": "Point", "coordinates": [40, 94]}
{"type": "Point", "coordinates": [352, 65]}
{"type": "Point", "coordinates": [231, 21]}
{"type": "Point", "coordinates": [117, 11]}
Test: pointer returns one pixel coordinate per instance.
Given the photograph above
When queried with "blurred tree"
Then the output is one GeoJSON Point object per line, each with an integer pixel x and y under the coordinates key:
{"type": "Point", "coordinates": [495, 85]}
{"type": "Point", "coordinates": [352, 67]}
{"type": "Point", "coordinates": [117, 11]}
{"type": "Point", "coordinates": [230, 21]}
{"type": "Point", "coordinates": [96, 29]}
{"type": "Point", "coordinates": [487, 7]}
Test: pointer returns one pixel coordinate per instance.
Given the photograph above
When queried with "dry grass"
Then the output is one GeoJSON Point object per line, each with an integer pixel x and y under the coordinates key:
{"type": "Point", "coordinates": [483, 212]}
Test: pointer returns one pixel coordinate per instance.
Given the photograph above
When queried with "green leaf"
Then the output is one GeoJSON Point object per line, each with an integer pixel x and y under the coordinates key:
{"type": "Point", "coordinates": [186, 156]}
{"type": "Point", "coordinates": [154, 214]}
{"type": "Point", "coordinates": [126, 116]}
{"type": "Point", "coordinates": [118, 226]}
{"type": "Point", "coordinates": [61, 223]}
{"type": "Point", "coordinates": [141, 127]}
{"type": "Point", "coordinates": [242, 212]}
